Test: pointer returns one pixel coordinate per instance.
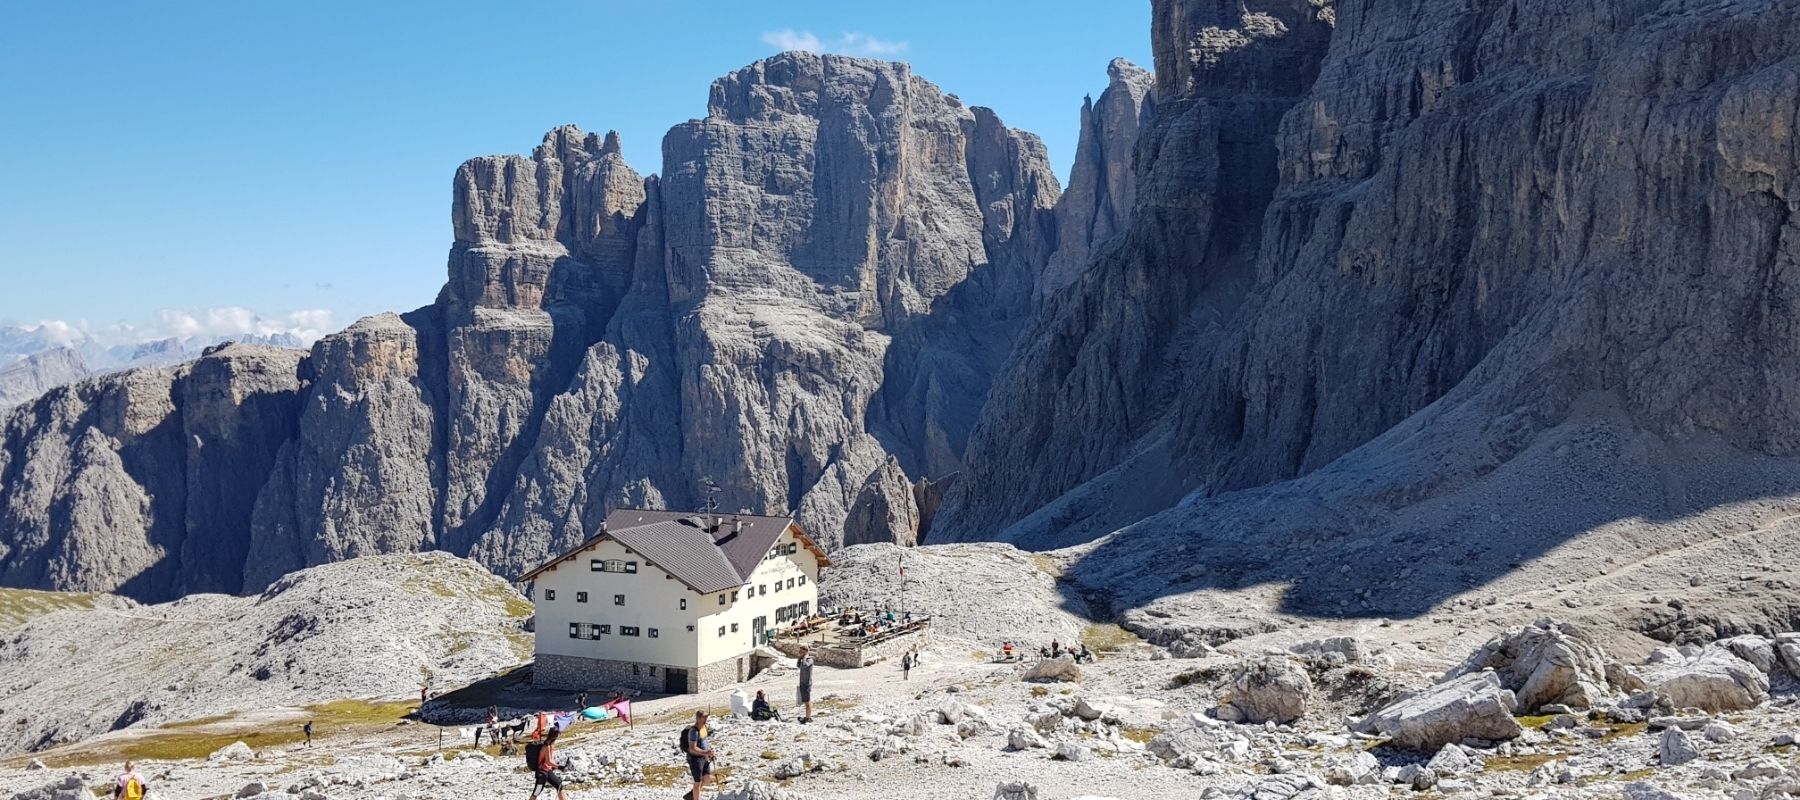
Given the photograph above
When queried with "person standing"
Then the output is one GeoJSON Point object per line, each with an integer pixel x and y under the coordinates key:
{"type": "Point", "coordinates": [581, 701]}
{"type": "Point", "coordinates": [131, 785]}
{"type": "Point", "coordinates": [307, 729]}
{"type": "Point", "coordinates": [699, 754]}
{"type": "Point", "coordinates": [803, 695]}
{"type": "Point", "coordinates": [424, 691]}
{"type": "Point", "coordinates": [906, 662]}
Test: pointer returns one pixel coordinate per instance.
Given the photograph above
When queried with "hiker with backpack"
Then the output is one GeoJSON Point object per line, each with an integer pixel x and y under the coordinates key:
{"type": "Point", "coordinates": [699, 753]}
{"type": "Point", "coordinates": [307, 729]}
{"type": "Point", "coordinates": [131, 785]}
{"type": "Point", "coordinates": [541, 758]}
{"type": "Point", "coordinates": [906, 665]}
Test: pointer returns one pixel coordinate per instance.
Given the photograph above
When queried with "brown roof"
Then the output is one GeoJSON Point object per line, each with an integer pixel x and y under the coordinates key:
{"type": "Point", "coordinates": [681, 544]}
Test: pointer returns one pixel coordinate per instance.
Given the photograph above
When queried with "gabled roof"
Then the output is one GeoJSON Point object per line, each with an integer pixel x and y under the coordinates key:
{"type": "Point", "coordinates": [680, 544]}
{"type": "Point", "coordinates": [684, 551]}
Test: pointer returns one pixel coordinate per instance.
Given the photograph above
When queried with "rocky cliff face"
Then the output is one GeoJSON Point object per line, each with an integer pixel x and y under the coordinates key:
{"type": "Point", "coordinates": [1491, 278]}
{"type": "Point", "coordinates": [806, 308]}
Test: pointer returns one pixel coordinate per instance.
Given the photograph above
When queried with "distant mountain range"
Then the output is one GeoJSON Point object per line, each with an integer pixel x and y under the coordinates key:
{"type": "Point", "coordinates": [33, 361]}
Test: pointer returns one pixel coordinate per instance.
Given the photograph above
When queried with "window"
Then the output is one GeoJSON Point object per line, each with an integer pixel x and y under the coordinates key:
{"type": "Point", "coordinates": [653, 633]}
{"type": "Point", "coordinates": [734, 627]}
{"type": "Point", "coordinates": [802, 580]}
{"type": "Point", "coordinates": [549, 594]}
{"type": "Point", "coordinates": [806, 608]}
{"type": "Point", "coordinates": [778, 586]}
{"type": "Point", "coordinates": [601, 629]}
{"type": "Point", "coordinates": [628, 630]}
{"type": "Point", "coordinates": [587, 630]}
{"type": "Point", "coordinates": [618, 599]}
{"type": "Point", "coordinates": [576, 630]}
{"type": "Point", "coordinates": [790, 583]}
{"type": "Point", "coordinates": [581, 597]}
{"type": "Point", "coordinates": [721, 598]}
{"type": "Point", "coordinates": [683, 604]}
{"type": "Point", "coordinates": [613, 565]}
{"type": "Point", "coordinates": [762, 588]}
{"type": "Point", "coordinates": [721, 630]}
{"type": "Point", "coordinates": [690, 629]}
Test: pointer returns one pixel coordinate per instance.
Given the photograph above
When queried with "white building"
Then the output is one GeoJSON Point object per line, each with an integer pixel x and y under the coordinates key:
{"type": "Point", "coordinates": [663, 601]}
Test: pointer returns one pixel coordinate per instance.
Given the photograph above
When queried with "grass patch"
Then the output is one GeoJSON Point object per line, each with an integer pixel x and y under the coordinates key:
{"type": "Point", "coordinates": [1139, 735]}
{"type": "Point", "coordinates": [1535, 720]}
{"type": "Point", "coordinates": [669, 776]}
{"type": "Point", "coordinates": [1637, 774]}
{"type": "Point", "coordinates": [982, 655]}
{"type": "Point", "coordinates": [19, 606]}
{"type": "Point", "coordinates": [770, 755]}
{"type": "Point", "coordinates": [1107, 638]}
{"type": "Point", "coordinates": [1203, 675]}
{"type": "Point", "coordinates": [1615, 730]}
{"type": "Point", "coordinates": [191, 739]}
{"type": "Point", "coordinates": [1048, 565]}
{"type": "Point", "coordinates": [1040, 691]}
{"type": "Point", "coordinates": [1520, 763]}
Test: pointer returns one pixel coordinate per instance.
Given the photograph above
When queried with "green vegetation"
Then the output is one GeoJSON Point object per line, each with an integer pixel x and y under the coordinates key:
{"type": "Point", "coordinates": [667, 776]}
{"type": "Point", "coordinates": [1520, 763]}
{"type": "Point", "coordinates": [1139, 735]}
{"type": "Point", "coordinates": [1107, 638]}
{"type": "Point", "coordinates": [199, 738]}
{"type": "Point", "coordinates": [1048, 565]}
{"type": "Point", "coordinates": [19, 606]}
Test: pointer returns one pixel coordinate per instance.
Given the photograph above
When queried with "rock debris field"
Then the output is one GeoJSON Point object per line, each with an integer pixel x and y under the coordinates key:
{"type": "Point", "coordinates": [1337, 709]}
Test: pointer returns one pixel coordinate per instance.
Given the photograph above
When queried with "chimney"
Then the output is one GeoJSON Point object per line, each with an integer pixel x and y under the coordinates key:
{"type": "Point", "coordinates": [737, 524]}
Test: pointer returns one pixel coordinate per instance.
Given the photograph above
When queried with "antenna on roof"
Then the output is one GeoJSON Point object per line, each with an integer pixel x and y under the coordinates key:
{"type": "Point", "coordinates": [712, 502]}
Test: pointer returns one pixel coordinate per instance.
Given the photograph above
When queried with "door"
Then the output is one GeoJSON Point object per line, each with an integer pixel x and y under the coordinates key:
{"type": "Point", "coordinates": [674, 681]}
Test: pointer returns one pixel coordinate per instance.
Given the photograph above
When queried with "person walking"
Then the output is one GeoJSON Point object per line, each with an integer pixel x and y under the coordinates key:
{"type": "Point", "coordinates": [906, 662]}
{"type": "Point", "coordinates": [803, 694]}
{"type": "Point", "coordinates": [307, 729]}
{"type": "Point", "coordinates": [130, 785]}
{"type": "Point", "coordinates": [699, 754]}
{"type": "Point", "coordinates": [544, 767]}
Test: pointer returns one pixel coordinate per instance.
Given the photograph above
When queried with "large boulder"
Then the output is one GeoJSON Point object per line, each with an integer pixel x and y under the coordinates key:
{"type": "Point", "coordinates": [1551, 662]}
{"type": "Point", "coordinates": [1016, 790]}
{"type": "Point", "coordinates": [1755, 649]}
{"type": "Point", "coordinates": [1475, 705]}
{"type": "Point", "coordinates": [1271, 689]}
{"type": "Point", "coordinates": [1787, 647]}
{"type": "Point", "coordinates": [1052, 670]}
{"type": "Point", "coordinates": [69, 788]}
{"type": "Point", "coordinates": [1676, 748]}
{"type": "Point", "coordinates": [1714, 681]}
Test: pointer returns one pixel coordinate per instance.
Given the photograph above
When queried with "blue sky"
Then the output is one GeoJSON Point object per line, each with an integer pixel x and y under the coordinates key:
{"type": "Point", "coordinates": [185, 166]}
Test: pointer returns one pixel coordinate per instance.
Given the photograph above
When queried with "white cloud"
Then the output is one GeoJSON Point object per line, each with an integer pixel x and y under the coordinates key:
{"type": "Point", "coordinates": [61, 332]}
{"type": "Point", "coordinates": [208, 323]}
{"type": "Point", "coordinates": [850, 44]}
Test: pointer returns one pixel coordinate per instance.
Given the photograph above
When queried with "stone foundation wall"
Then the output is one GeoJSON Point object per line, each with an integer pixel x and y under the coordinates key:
{"type": "Point", "coordinates": [577, 673]}
{"type": "Point", "coordinates": [718, 674]}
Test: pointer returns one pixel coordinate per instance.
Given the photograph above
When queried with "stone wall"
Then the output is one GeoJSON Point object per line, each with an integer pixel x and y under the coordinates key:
{"type": "Point", "coordinates": [845, 656]}
{"type": "Point", "coordinates": [578, 673]}
{"type": "Point", "coordinates": [723, 672]}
